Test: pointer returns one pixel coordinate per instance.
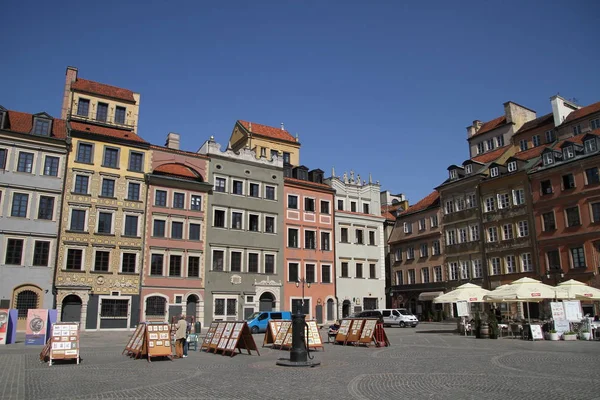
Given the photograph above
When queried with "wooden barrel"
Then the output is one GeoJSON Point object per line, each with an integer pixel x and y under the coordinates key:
{"type": "Point", "coordinates": [485, 330]}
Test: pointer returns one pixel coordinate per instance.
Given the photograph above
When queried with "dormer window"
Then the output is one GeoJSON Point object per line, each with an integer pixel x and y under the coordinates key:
{"type": "Point", "coordinates": [568, 152]}
{"type": "Point", "coordinates": [591, 145]}
{"type": "Point", "coordinates": [512, 166]}
{"type": "Point", "coordinates": [453, 174]}
{"type": "Point", "coordinates": [468, 168]}
{"type": "Point", "coordinates": [548, 159]}
{"type": "Point", "coordinates": [494, 172]}
{"type": "Point", "coordinates": [490, 144]}
{"type": "Point", "coordinates": [2, 113]}
{"type": "Point", "coordinates": [523, 144]}
{"type": "Point", "coordinates": [41, 127]}
{"type": "Point", "coordinates": [480, 149]}
{"type": "Point", "coordinates": [595, 123]}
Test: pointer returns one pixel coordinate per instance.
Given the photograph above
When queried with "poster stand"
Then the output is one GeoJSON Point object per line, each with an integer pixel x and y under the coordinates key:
{"type": "Point", "coordinates": [272, 331]}
{"type": "Point", "coordinates": [222, 345]}
{"type": "Point", "coordinates": [287, 340]}
{"type": "Point", "coordinates": [367, 336]}
{"type": "Point", "coordinates": [229, 336]}
{"type": "Point", "coordinates": [314, 337]}
{"type": "Point", "coordinates": [64, 342]}
{"type": "Point", "coordinates": [209, 335]}
{"type": "Point", "coordinates": [135, 346]}
{"type": "Point", "coordinates": [158, 340]}
{"type": "Point", "coordinates": [281, 334]}
{"type": "Point", "coordinates": [362, 332]}
{"type": "Point", "coordinates": [343, 331]}
{"type": "Point", "coordinates": [354, 331]}
{"type": "Point", "coordinates": [381, 339]}
{"type": "Point", "coordinates": [216, 337]}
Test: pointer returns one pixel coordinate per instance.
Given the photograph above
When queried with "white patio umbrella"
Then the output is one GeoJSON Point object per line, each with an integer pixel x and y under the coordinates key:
{"type": "Point", "coordinates": [573, 289]}
{"type": "Point", "coordinates": [468, 292]}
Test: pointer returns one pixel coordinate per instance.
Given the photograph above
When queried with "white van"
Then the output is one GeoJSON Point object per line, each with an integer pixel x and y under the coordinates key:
{"type": "Point", "coordinates": [400, 317]}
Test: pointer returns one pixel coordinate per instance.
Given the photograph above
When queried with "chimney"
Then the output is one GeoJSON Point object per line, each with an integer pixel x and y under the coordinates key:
{"type": "Point", "coordinates": [517, 114]}
{"type": "Point", "coordinates": [173, 141]}
{"type": "Point", "coordinates": [472, 130]}
{"type": "Point", "coordinates": [561, 108]}
{"type": "Point", "coordinates": [71, 76]}
{"type": "Point", "coordinates": [282, 127]}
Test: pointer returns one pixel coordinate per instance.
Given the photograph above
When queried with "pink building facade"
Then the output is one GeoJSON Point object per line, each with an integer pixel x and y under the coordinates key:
{"type": "Point", "coordinates": [173, 273]}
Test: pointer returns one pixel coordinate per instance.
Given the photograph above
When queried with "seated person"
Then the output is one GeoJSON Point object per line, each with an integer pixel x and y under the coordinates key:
{"type": "Point", "coordinates": [333, 330]}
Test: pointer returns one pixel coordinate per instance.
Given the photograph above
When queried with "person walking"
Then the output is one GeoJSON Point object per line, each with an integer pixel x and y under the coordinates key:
{"type": "Point", "coordinates": [180, 337]}
{"type": "Point", "coordinates": [186, 344]}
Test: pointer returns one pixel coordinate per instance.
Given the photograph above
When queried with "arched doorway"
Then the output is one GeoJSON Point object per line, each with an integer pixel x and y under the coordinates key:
{"type": "Point", "coordinates": [71, 309]}
{"type": "Point", "coordinates": [330, 310]}
{"type": "Point", "coordinates": [266, 302]}
{"type": "Point", "coordinates": [191, 305]}
{"type": "Point", "coordinates": [156, 308]}
{"type": "Point", "coordinates": [345, 308]}
{"type": "Point", "coordinates": [26, 299]}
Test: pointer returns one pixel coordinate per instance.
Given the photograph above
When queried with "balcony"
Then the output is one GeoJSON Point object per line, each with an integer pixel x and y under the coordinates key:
{"type": "Point", "coordinates": [505, 213]}
{"type": "Point", "coordinates": [469, 213]}
{"type": "Point", "coordinates": [109, 121]}
{"type": "Point", "coordinates": [514, 243]}
{"type": "Point", "coordinates": [468, 247]}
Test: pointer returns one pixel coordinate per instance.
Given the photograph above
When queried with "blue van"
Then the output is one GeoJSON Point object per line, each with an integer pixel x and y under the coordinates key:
{"type": "Point", "coordinates": [259, 321]}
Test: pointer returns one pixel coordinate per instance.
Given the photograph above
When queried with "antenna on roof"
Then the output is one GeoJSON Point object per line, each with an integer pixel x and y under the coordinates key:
{"type": "Point", "coordinates": [282, 127]}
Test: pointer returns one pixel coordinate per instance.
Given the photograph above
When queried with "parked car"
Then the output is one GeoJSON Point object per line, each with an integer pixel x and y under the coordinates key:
{"type": "Point", "coordinates": [368, 314]}
{"type": "Point", "coordinates": [259, 321]}
{"type": "Point", "coordinates": [398, 317]}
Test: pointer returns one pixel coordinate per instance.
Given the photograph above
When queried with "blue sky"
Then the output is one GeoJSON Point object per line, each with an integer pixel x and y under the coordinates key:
{"type": "Point", "coordinates": [385, 87]}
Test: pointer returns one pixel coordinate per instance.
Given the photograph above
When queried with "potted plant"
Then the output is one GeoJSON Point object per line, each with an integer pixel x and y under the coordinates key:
{"type": "Point", "coordinates": [584, 334]}
{"type": "Point", "coordinates": [553, 334]}
{"type": "Point", "coordinates": [569, 335]}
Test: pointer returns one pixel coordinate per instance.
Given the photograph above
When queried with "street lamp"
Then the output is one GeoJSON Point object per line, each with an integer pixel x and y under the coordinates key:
{"type": "Point", "coordinates": [302, 282]}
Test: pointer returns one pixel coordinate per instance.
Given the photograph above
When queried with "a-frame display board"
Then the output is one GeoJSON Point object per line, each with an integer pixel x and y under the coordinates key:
{"type": "Point", "coordinates": [287, 340]}
{"type": "Point", "coordinates": [281, 334]}
{"type": "Point", "coordinates": [134, 348]}
{"type": "Point", "coordinates": [158, 340]}
{"type": "Point", "coordinates": [272, 331]}
{"type": "Point", "coordinates": [222, 345]}
{"type": "Point", "coordinates": [381, 338]}
{"type": "Point", "coordinates": [314, 337]}
{"type": "Point", "coordinates": [343, 331]}
{"type": "Point", "coordinates": [354, 331]}
{"type": "Point", "coordinates": [209, 335]}
{"type": "Point", "coordinates": [214, 342]}
{"type": "Point", "coordinates": [368, 332]}
{"type": "Point", "coordinates": [229, 336]}
{"type": "Point", "coordinates": [64, 342]}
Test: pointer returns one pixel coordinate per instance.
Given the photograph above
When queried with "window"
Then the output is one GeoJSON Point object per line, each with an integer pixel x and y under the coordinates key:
{"type": "Point", "coordinates": [78, 220]}
{"type": "Point", "coordinates": [102, 112]}
{"type": "Point", "coordinates": [464, 270]}
{"type": "Point", "coordinates": [474, 232]}
{"type": "Point", "coordinates": [450, 237]}
{"type": "Point", "coordinates": [595, 212]}
{"type": "Point", "coordinates": [592, 176]}
{"type": "Point", "coordinates": [51, 166]}
{"type": "Point", "coordinates": [399, 278]}
{"type": "Point", "coordinates": [523, 228]}
{"type": "Point", "coordinates": [503, 201]}
{"type": "Point", "coordinates": [25, 162]}
{"type": "Point", "coordinates": [359, 271]}
{"type": "Point", "coordinates": [471, 200]}
{"type": "Point", "coordinates": [340, 205]}
{"type": "Point", "coordinates": [424, 250]}
{"type": "Point", "coordinates": [19, 205]}
{"type": "Point", "coordinates": [225, 309]}
{"type": "Point", "coordinates": [526, 265]}
{"type": "Point", "coordinates": [74, 260]}
{"type": "Point", "coordinates": [156, 264]}
{"type": "Point", "coordinates": [568, 152]}
{"type": "Point", "coordinates": [568, 181]}
{"type": "Point", "coordinates": [511, 264]}
{"type": "Point", "coordinates": [220, 185]}
{"type": "Point", "coordinates": [344, 270]}
{"type": "Point", "coordinates": [359, 237]}
{"type": "Point", "coordinates": [310, 273]}
{"type": "Point", "coordinates": [372, 238]}
{"type": "Point", "coordinates": [578, 257]}
{"type": "Point", "coordinates": [453, 174]}
{"type": "Point", "coordinates": [548, 221]}
{"type": "Point", "coordinates": [480, 148]}
{"type": "Point", "coordinates": [477, 269]}
{"type": "Point", "coordinates": [235, 264]}
{"type": "Point", "coordinates": [129, 263]}
{"type": "Point", "coordinates": [41, 253]}
{"type": "Point", "coordinates": [237, 187]}
{"type": "Point", "coordinates": [366, 209]}
{"type": "Point", "coordinates": [111, 157]}
{"type": "Point", "coordinates": [102, 261]}
{"type": "Point", "coordinates": [577, 130]}
{"type": "Point", "coordinates": [253, 222]}
{"type": "Point", "coordinates": [286, 157]}
{"type": "Point", "coordinates": [292, 202]}
{"type": "Point", "coordinates": [546, 187]}
{"type": "Point", "coordinates": [437, 273]}
{"type": "Point", "coordinates": [326, 273]}
{"type": "Point", "coordinates": [518, 197]}
{"type": "Point", "coordinates": [500, 141]}
{"type": "Point", "coordinates": [105, 222]}
{"type": "Point", "coordinates": [83, 107]}
{"type": "Point", "coordinates": [2, 157]}
{"type": "Point", "coordinates": [236, 220]}
{"type": "Point", "coordinates": [435, 248]}
{"type": "Point", "coordinates": [219, 219]}
{"type": "Point", "coordinates": [179, 200]}
{"type": "Point", "coordinates": [490, 144]}
{"type": "Point", "coordinates": [253, 263]}
{"type": "Point", "coordinates": [523, 144]}
{"type": "Point", "coordinates": [194, 232]}
{"type": "Point", "coordinates": [193, 267]}
{"type": "Point", "coordinates": [14, 251]}
{"type": "Point", "coordinates": [462, 235]}
{"type": "Point", "coordinates": [492, 234]}
{"type": "Point", "coordinates": [548, 158]}
{"type": "Point", "coordinates": [453, 271]}
{"type": "Point", "coordinates": [422, 224]}
{"type": "Point", "coordinates": [41, 127]}
{"type": "Point", "coordinates": [270, 192]}
{"type": "Point", "coordinates": [119, 115]}
{"type": "Point", "coordinates": [512, 166]}
{"type": "Point", "coordinates": [84, 153]}
{"type": "Point", "coordinates": [434, 221]}
{"type": "Point", "coordinates": [494, 172]}
{"type": "Point", "coordinates": [410, 253]}
{"type": "Point", "coordinates": [595, 123]}
{"type": "Point", "coordinates": [108, 188]}
{"type": "Point", "coordinates": [398, 254]}
{"type": "Point", "coordinates": [196, 203]}
{"type": "Point", "coordinates": [293, 238]}
{"type": "Point", "coordinates": [269, 264]}
{"type": "Point", "coordinates": [176, 230]}
{"type": "Point", "coordinates": [408, 227]}
{"type": "Point", "coordinates": [293, 272]}
{"type": "Point", "coordinates": [460, 204]}
{"type": "Point", "coordinates": [263, 152]}
{"type": "Point", "coordinates": [131, 225]}
{"type": "Point", "coordinates": [591, 145]}
{"type": "Point", "coordinates": [353, 206]}
{"type": "Point", "coordinates": [490, 205]}
{"type": "Point", "coordinates": [270, 224]}
{"type": "Point", "coordinates": [507, 231]}
{"type": "Point", "coordinates": [174, 265]}
{"type": "Point", "coordinates": [274, 153]}
{"type": "Point", "coordinates": [468, 169]}
{"type": "Point", "coordinates": [344, 235]}
{"type": "Point", "coordinates": [136, 161]}
{"type": "Point", "coordinates": [549, 136]}
{"type": "Point", "coordinates": [495, 264]}
{"type": "Point", "coordinates": [160, 198]}
{"type": "Point", "coordinates": [309, 204]}
{"type": "Point", "coordinates": [310, 240]}
{"type": "Point", "coordinates": [158, 229]}
{"type": "Point", "coordinates": [572, 216]}
{"type": "Point", "coordinates": [324, 207]}
{"type": "Point", "coordinates": [46, 208]}
{"type": "Point", "coordinates": [133, 191]}
{"type": "Point", "coordinates": [325, 243]}
{"type": "Point", "coordinates": [254, 190]}
{"type": "Point", "coordinates": [553, 258]}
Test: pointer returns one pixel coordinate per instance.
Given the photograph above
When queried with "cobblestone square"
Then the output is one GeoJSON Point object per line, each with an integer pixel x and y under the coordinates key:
{"type": "Point", "coordinates": [423, 363]}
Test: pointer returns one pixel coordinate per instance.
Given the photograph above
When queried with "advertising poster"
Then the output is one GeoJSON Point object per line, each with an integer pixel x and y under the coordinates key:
{"type": "Point", "coordinates": [558, 311]}
{"type": "Point", "coordinates": [3, 325]}
{"type": "Point", "coordinates": [573, 310]}
{"type": "Point", "coordinates": [37, 326]}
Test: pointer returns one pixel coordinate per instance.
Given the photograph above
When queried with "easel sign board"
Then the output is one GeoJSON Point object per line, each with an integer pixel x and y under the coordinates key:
{"type": "Point", "coordinates": [573, 311]}
{"type": "Point", "coordinates": [272, 331]}
{"type": "Point", "coordinates": [561, 326]}
{"type": "Point", "coordinates": [343, 330]}
{"type": "Point", "coordinates": [536, 332]}
{"type": "Point", "coordinates": [158, 339]}
{"type": "Point", "coordinates": [37, 327]}
{"type": "Point", "coordinates": [246, 340]}
{"type": "Point", "coordinates": [4, 319]}
{"type": "Point", "coordinates": [217, 336]}
{"type": "Point", "coordinates": [366, 337]}
{"type": "Point", "coordinates": [209, 335]}
{"type": "Point", "coordinates": [558, 311]}
{"type": "Point", "coordinates": [283, 330]}
{"type": "Point", "coordinates": [235, 336]}
{"type": "Point", "coordinates": [64, 341]}
{"type": "Point", "coordinates": [462, 308]}
{"type": "Point", "coordinates": [355, 330]}
{"type": "Point", "coordinates": [225, 337]}
{"type": "Point", "coordinates": [314, 337]}
{"type": "Point", "coordinates": [287, 342]}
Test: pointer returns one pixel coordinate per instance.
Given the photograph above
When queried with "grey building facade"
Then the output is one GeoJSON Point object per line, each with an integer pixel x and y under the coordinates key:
{"type": "Point", "coordinates": [244, 230]}
{"type": "Point", "coordinates": [33, 151]}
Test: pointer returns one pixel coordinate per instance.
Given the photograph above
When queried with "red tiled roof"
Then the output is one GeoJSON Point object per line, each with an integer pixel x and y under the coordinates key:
{"type": "Point", "coordinates": [177, 169]}
{"type": "Point", "coordinates": [105, 131]}
{"type": "Point", "coordinates": [102, 89]}
{"type": "Point", "coordinates": [300, 181]}
{"type": "Point", "coordinates": [268, 131]}
{"type": "Point", "coordinates": [490, 125]}
{"type": "Point", "coordinates": [577, 139]}
{"type": "Point", "coordinates": [23, 123]}
{"type": "Point", "coordinates": [424, 203]}
{"type": "Point", "coordinates": [386, 211]}
{"type": "Point", "coordinates": [584, 111]}
{"type": "Point", "coordinates": [536, 123]}
{"type": "Point", "coordinates": [529, 154]}
{"type": "Point", "coordinates": [491, 156]}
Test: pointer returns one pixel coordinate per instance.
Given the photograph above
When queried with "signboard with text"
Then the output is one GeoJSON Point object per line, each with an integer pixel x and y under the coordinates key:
{"type": "Point", "coordinates": [37, 327]}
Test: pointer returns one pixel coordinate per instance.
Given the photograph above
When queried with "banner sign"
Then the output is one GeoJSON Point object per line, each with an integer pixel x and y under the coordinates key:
{"type": "Point", "coordinates": [3, 325]}
{"type": "Point", "coordinates": [573, 310]}
{"type": "Point", "coordinates": [558, 311]}
{"type": "Point", "coordinates": [37, 327]}
{"type": "Point", "coordinates": [462, 309]}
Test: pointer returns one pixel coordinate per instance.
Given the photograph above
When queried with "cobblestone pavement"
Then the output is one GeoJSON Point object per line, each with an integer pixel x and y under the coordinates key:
{"type": "Point", "coordinates": [422, 363]}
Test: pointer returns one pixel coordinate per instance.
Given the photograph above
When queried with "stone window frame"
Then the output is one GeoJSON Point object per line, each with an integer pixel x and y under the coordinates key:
{"type": "Point", "coordinates": [138, 254]}
{"type": "Point", "coordinates": [103, 210]}
{"type": "Point", "coordinates": [84, 250]}
{"type": "Point", "coordinates": [95, 250]}
{"type": "Point", "coordinates": [56, 207]}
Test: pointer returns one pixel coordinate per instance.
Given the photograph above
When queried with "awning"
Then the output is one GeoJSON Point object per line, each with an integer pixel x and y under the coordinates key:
{"type": "Point", "coordinates": [428, 296]}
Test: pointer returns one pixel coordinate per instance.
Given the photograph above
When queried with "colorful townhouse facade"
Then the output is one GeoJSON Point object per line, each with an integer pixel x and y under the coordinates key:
{"type": "Point", "coordinates": [33, 153]}
{"type": "Point", "coordinates": [359, 245]}
{"type": "Point", "coordinates": [172, 280]}
{"type": "Point", "coordinates": [100, 252]}
{"type": "Point", "coordinates": [309, 237]}
{"type": "Point", "coordinates": [244, 246]}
